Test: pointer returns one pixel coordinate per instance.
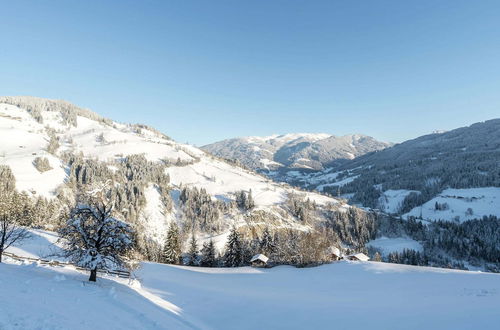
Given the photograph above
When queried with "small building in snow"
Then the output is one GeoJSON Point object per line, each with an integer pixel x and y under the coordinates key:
{"type": "Point", "coordinates": [334, 253]}
{"type": "Point", "coordinates": [259, 260]}
{"type": "Point", "coordinates": [357, 257]}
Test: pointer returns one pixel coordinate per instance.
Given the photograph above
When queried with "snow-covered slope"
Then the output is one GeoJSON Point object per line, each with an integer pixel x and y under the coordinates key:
{"type": "Point", "coordinates": [343, 295]}
{"type": "Point", "coordinates": [24, 139]}
{"type": "Point", "coordinates": [460, 205]}
{"type": "Point", "coordinates": [293, 151]}
{"type": "Point", "coordinates": [388, 245]}
{"type": "Point", "coordinates": [30, 127]}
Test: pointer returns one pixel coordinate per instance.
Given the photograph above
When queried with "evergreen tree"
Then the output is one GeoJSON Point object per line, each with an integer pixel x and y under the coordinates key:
{"type": "Point", "coordinates": [266, 243]}
{"type": "Point", "coordinates": [250, 203]}
{"type": "Point", "coordinates": [208, 255]}
{"type": "Point", "coordinates": [193, 252]}
{"type": "Point", "coordinates": [172, 249]}
{"type": "Point", "coordinates": [234, 249]}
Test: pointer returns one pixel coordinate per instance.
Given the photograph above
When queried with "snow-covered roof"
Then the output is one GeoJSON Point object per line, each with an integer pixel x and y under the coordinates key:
{"type": "Point", "coordinates": [260, 257]}
{"type": "Point", "coordinates": [334, 250]}
{"type": "Point", "coordinates": [359, 256]}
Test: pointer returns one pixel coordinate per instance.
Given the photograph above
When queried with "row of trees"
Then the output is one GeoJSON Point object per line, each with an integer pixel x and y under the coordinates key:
{"type": "Point", "coordinates": [290, 247]}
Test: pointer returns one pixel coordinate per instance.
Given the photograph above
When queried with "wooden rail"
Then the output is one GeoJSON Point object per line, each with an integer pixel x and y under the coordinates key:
{"type": "Point", "coordinates": [56, 263]}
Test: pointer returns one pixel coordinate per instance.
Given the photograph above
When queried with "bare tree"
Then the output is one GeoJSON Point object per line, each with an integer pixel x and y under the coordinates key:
{"type": "Point", "coordinates": [10, 230]}
{"type": "Point", "coordinates": [93, 238]}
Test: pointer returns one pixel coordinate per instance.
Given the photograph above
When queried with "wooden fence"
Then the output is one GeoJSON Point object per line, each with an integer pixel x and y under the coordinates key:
{"type": "Point", "coordinates": [56, 263]}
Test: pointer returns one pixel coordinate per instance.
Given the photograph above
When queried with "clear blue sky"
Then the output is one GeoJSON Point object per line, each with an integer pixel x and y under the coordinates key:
{"type": "Point", "coordinates": [202, 71]}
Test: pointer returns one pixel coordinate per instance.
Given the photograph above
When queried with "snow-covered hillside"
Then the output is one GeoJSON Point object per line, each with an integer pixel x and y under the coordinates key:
{"type": "Point", "coordinates": [342, 295]}
{"type": "Point", "coordinates": [33, 128]}
{"type": "Point", "coordinates": [460, 205]}
{"type": "Point", "coordinates": [388, 245]}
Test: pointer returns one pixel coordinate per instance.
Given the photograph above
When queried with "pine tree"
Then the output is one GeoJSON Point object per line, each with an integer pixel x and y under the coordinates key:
{"type": "Point", "coordinates": [266, 243]}
{"type": "Point", "coordinates": [250, 204]}
{"type": "Point", "coordinates": [208, 255]}
{"type": "Point", "coordinates": [377, 257]}
{"type": "Point", "coordinates": [193, 252]}
{"type": "Point", "coordinates": [234, 250]}
{"type": "Point", "coordinates": [172, 249]}
{"type": "Point", "coordinates": [241, 199]}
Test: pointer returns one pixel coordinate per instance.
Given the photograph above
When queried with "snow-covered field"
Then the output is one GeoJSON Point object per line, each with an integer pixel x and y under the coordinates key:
{"type": "Point", "coordinates": [342, 295]}
{"type": "Point", "coordinates": [398, 244]}
{"type": "Point", "coordinates": [462, 205]}
{"type": "Point", "coordinates": [391, 200]}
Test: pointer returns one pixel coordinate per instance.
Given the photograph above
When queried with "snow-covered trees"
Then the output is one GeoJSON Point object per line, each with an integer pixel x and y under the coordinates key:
{"type": "Point", "coordinates": [42, 164]}
{"type": "Point", "coordinates": [93, 238]}
{"type": "Point", "coordinates": [200, 211]}
{"type": "Point", "coordinates": [266, 243]}
{"type": "Point", "coordinates": [300, 207]}
{"type": "Point", "coordinates": [245, 200]}
{"type": "Point", "coordinates": [172, 252]}
{"type": "Point", "coordinates": [53, 141]}
{"type": "Point", "coordinates": [192, 257]}
{"type": "Point", "coordinates": [354, 227]}
{"type": "Point", "coordinates": [234, 249]}
{"type": "Point", "coordinates": [208, 258]}
{"type": "Point", "coordinates": [7, 179]}
{"type": "Point", "coordinates": [10, 217]}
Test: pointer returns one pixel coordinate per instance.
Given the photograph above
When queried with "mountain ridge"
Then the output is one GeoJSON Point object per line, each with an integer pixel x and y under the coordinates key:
{"type": "Point", "coordinates": [294, 150]}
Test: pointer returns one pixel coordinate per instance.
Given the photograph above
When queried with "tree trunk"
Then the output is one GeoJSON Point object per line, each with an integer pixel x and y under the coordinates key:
{"type": "Point", "coordinates": [93, 275]}
{"type": "Point", "coordinates": [1, 254]}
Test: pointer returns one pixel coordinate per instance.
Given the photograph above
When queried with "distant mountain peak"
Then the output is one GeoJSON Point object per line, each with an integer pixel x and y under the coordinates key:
{"type": "Point", "coordinates": [294, 150]}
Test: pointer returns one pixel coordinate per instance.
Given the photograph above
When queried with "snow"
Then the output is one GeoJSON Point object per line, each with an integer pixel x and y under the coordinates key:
{"type": "Point", "coordinates": [260, 257]}
{"type": "Point", "coordinates": [267, 162]}
{"type": "Point", "coordinates": [279, 140]}
{"type": "Point", "coordinates": [392, 200]}
{"type": "Point", "coordinates": [220, 178]}
{"type": "Point", "coordinates": [340, 183]}
{"type": "Point", "coordinates": [23, 140]}
{"type": "Point", "coordinates": [388, 296]}
{"type": "Point", "coordinates": [155, 220]}
{"type": "Point", "coordinates": [119, 143]}
{"type": "Point", "coordinates": [482, 201]}
{"type": "Point", "coordinates": [389, 245]}
{"type": "Point", "coordinates": [41, 244]}
{"type": "Point", "coordinates": [36, 297]}
{"type": "Point", "coordinates": [359, 256]}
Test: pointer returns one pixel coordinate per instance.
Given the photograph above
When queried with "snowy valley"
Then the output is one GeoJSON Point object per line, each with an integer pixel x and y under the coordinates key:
{"type": "Point", "coordinates": [191, 222]}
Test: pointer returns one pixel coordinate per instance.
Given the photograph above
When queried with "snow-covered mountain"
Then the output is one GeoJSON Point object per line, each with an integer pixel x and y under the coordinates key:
{"type": "Point", "coordinates": [294, 151]}
{"type": "Point", "coordinates": [52, 146]}
{"type": "Point", "coordinates": [452, 175]}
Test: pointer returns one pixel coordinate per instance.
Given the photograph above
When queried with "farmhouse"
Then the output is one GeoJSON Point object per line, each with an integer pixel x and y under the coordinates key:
{"type": "Point", "coordinates": [259, 260]}
{"type": "Point", "coordinates": [357, 257]}
{"type": "Point", "coordinates": [334, 253]}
